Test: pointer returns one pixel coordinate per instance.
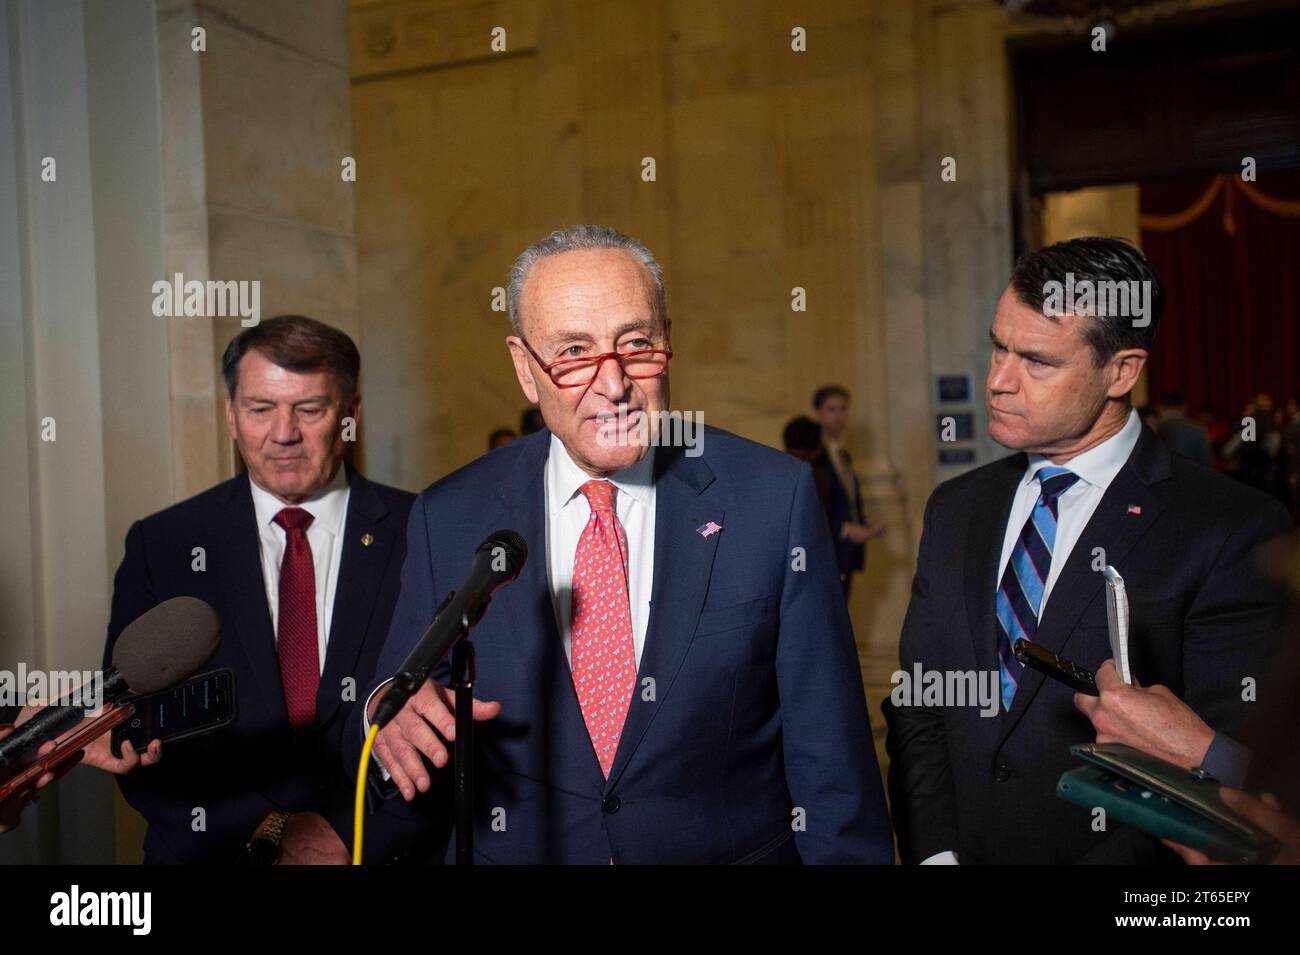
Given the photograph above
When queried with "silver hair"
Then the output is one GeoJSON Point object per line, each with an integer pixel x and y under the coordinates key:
{"type": "Point", "coordinates": [584, 237]}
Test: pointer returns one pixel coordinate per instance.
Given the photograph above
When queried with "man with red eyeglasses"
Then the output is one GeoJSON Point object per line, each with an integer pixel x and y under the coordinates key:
{"type": "Point", "coordinates": [673, 677]}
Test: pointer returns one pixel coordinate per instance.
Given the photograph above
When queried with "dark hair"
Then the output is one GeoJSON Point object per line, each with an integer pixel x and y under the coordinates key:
{"type": "Point", "coordinates": [296, 343]}
{"type": "Point", "coordinates": [1094, 259]}
{"type": "Point", "coordinates": [500, 433]}
{"type": "Point", "coordinates": [828, 391]}
{"type": "Point", "coordinates": [531, 421]}
{"type": "Point", "coordinates": [802, 434]}
{"type": "Point", "coordinates": [1175, 399]}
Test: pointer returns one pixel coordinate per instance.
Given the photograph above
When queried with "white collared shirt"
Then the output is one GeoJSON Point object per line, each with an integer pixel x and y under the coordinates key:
{"type": "Point", "coordinates": [567, 513]}
{"type": "Point", "coordinates": [1096, 468]}
{"type": "Point", "coordinates": [329, 508]}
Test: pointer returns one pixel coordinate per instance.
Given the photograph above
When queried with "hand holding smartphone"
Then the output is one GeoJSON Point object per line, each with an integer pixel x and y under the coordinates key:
{"type": "Point", "coordinates": [200, 705]}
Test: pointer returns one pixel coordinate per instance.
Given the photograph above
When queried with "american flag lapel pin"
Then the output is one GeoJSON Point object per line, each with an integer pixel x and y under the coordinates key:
{"type": "Point", "coordinates": [705, 530]}
{"type": "Point", "coordinates": [1134, 509]}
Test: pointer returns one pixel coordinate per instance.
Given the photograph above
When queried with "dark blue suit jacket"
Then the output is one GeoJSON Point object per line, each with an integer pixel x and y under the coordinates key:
{"type": "Point", "coordinates": [748, 737]}
{"type": "Point", "coordinates": [257, 765]}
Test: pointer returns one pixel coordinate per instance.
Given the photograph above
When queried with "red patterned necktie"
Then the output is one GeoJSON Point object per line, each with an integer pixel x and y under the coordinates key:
{"type": "Point", "coordinates": [297, 640]}
{"type": "Point", "coordinates": [602, 656]}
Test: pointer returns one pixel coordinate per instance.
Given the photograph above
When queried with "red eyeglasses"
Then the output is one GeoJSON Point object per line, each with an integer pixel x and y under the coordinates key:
{"type": "Point", "coordinates": [577, 372]}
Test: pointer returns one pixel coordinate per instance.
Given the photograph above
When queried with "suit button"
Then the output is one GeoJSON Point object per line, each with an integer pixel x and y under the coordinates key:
{"type": "Point", "coordinates": [1003, 773]}
{"type": "Point", "coordinates": [611, 804]}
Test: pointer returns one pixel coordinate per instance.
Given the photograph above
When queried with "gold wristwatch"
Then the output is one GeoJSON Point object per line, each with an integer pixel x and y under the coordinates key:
{"type": "Point", "coordinates": [264, 847]}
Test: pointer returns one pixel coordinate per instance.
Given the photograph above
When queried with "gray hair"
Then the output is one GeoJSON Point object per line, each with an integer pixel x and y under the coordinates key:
{"type": "Point", "coordinates": [584, 237]}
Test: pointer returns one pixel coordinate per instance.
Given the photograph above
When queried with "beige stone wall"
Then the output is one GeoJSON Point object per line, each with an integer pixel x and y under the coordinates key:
{"type": "Point", "coordinates": [255, 130]}
{"type": "Point", "coordinates": [765, 181]}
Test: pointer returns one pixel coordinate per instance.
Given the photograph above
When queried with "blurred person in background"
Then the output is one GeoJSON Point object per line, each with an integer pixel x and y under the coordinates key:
{"type": "Point", "coordinates": [851, 533]}
{"type": "Point", "coordinates": [500, 438]}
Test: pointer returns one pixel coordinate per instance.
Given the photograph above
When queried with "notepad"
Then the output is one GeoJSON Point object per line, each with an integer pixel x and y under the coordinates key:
{"type": "Point", "coordinates": [1117, 619]}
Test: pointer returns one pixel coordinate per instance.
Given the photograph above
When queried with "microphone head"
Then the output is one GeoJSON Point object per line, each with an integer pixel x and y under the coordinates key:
{"type": "Point", "coordinates": [167, 644]}
{"type": "Point", "coordinates": [509, 545]}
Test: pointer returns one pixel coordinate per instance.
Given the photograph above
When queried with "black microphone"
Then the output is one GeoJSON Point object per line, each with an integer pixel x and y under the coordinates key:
{"type": "Point", "coordinates": [497, 562]}
{"type": "Point", "coordinates": [158, 649]}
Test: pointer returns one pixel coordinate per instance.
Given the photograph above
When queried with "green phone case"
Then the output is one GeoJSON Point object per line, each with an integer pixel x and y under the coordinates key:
{"type": "Point", "coordinates": [1163, 799]}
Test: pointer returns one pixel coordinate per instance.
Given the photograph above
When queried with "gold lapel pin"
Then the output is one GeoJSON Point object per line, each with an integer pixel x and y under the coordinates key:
{"type": "Point", "coordinates": [367, 540]}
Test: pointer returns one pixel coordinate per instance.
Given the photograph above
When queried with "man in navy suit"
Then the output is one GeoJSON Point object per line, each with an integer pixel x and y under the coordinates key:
{"type": "Point", "coordinates": [301, 558]}
{"type": "Point", "coordinates": [1015, 549]}
{"type": "Point", "coordinates": [673, 677]}
{"type": "Point", "coordinates": [851, 530]}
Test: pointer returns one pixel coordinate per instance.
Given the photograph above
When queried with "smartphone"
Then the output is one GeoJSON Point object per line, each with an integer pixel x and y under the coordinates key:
{"type": "Point", "coordinates": [1057, 667]}
{"type": "Point", "coordinates": [200, 705]}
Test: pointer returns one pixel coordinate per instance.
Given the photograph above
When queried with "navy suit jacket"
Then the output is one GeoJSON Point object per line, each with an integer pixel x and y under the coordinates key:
{"type": "Point", "coordinates": [1201, 621]}
{"type": "Point", "coordinates": [256, 765]}
{"type": "Point", "coordinates": [747, 739]}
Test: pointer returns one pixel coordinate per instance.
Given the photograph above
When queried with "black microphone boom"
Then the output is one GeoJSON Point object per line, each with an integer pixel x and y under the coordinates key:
{"type": "Point", "coordinates": [497, 562]}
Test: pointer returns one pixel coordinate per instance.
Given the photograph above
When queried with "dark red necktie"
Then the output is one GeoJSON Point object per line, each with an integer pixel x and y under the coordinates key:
{"type": "Point", "coordinates": [297, 641]}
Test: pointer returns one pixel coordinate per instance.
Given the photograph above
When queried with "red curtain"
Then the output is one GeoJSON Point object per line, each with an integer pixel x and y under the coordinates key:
{"type": "Point", "coordinates": [1228, 253]}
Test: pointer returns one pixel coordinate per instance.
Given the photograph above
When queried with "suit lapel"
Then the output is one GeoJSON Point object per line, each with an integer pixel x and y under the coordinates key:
{"type": "Point", "coordinates": [246, 617]}
{"type": "Point", "coordinates": [683, 562]}
{"type": "Point", "coordinates": [983, 551]}
{"type": "Point", "coordinates": [522, 496]}
{"type": "Point", "coordinates": [368, 542]}
{"type": "Point", "coordinates": [1112, 527]}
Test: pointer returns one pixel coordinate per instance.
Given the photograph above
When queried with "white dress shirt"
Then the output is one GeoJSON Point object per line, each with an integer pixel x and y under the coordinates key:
{"type": "Point", "coordinates": [1096, 468]}
{"type": "Point", "coordinates": [567, 513]}
{"type": "Point", "coordinates": [329, 510]}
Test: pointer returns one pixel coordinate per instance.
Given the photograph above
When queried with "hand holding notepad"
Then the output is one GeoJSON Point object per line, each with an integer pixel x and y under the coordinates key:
{"type": "Point", "coordinates": [1117, 619]}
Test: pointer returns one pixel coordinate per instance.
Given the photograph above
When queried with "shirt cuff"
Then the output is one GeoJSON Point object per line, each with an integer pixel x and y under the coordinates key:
{"type": "Point", "coordinates": [947, 857]}
{"type": "Point", "coordinates": [1227, 760]}
{"type": "Point", "coordinates": [365, 730]}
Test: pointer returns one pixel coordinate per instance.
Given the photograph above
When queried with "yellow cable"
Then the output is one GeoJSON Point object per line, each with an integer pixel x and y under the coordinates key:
{"type": "Point", "coordinates": [359, 817]}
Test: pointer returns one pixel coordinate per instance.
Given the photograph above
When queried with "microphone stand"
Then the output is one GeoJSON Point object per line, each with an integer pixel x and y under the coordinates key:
{"type": "Point", "coordinates": [463, 672]}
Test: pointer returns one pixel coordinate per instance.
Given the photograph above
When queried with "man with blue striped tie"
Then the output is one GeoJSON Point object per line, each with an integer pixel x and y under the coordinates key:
{"type": "Point", "coordinates": [1014, 549]}
{"type": "Point", "coordinates": [1024, 581]}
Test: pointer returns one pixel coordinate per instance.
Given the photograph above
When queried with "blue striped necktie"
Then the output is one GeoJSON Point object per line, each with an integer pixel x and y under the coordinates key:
{"type": "Point", "coordinates": [1020, 595]}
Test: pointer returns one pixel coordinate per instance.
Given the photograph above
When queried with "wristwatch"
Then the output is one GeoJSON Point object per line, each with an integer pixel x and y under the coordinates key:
{"type": "Point", "coordinates": [264, 847]}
